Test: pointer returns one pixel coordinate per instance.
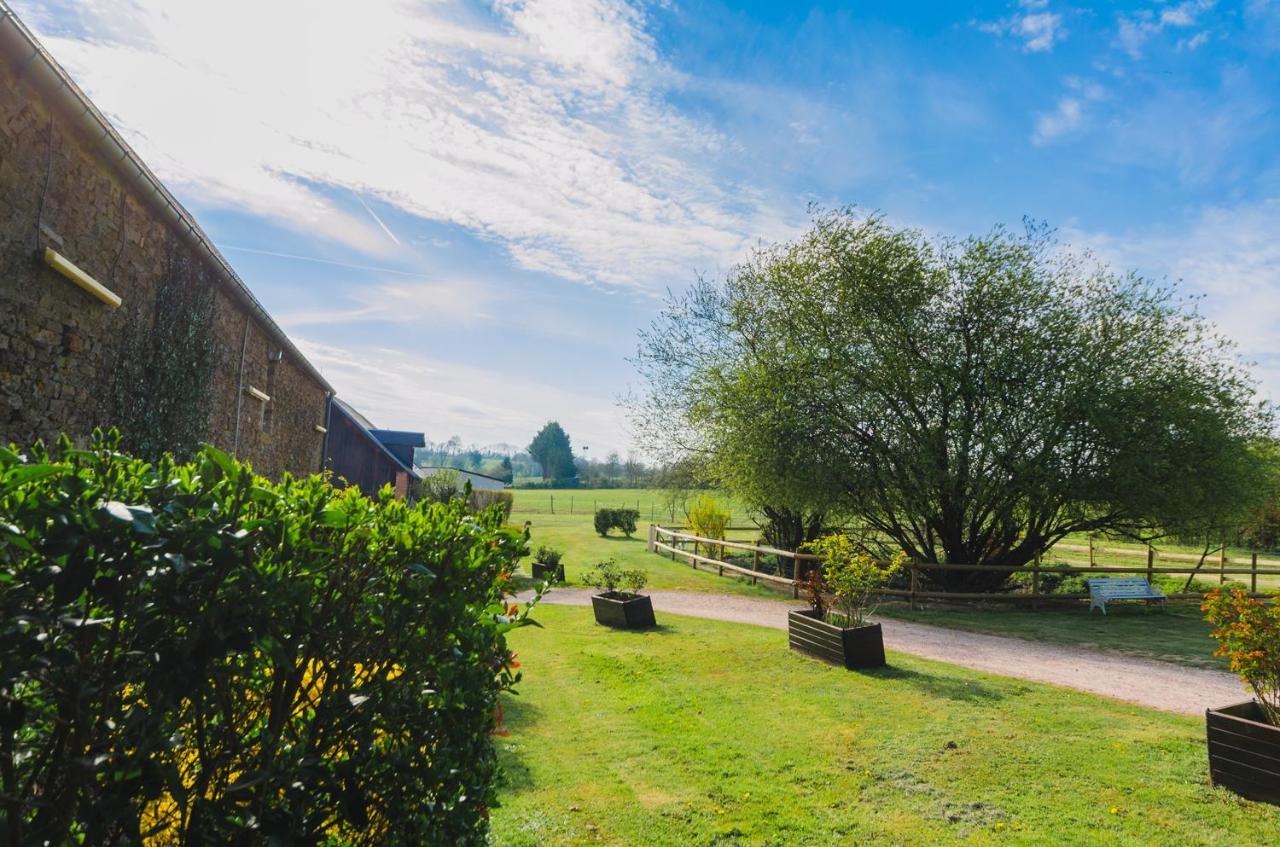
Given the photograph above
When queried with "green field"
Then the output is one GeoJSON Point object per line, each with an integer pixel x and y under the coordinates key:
{"type": "Point", "coordinates": [702, 733]}
{"type": "Point", "coordinates": [574, 534]}
{"type": "Point", "coordinates": [1176, 634]}
{"type": "Point", "coordinates": [653, 503]}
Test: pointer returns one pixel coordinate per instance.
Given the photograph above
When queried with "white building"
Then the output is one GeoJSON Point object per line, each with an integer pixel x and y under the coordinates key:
{"type": "Point", "coordinates": [479, 481]}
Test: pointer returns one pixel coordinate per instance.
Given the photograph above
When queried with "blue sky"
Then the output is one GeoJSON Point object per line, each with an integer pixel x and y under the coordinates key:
{"type": "Point", "coordinates": [463, 211]}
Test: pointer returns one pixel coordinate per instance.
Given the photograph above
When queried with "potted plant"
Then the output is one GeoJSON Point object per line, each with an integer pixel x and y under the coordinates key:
{"type": "Point", "coordinates": [839, 632]}
{"type": "Point", "coordinates": [1244, 739]}
{"type": "Point", "coordinates": [623, 609]}
{"type": "Point", "coordinates": [547, 564]}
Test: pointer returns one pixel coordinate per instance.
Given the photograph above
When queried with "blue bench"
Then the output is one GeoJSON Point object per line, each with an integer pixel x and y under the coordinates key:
{"type": "Point", "coordinates": [1123, 588]}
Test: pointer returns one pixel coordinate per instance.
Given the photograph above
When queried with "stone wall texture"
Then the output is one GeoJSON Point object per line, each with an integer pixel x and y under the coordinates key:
{"type": "Point", "coordinates": [58, 344]}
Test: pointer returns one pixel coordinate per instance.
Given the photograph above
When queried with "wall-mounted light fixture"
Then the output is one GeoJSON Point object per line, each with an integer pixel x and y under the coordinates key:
{"type": "Point", "coordinates": [67, 268]}
{"type": "Point", "coordinates": [257, 394]}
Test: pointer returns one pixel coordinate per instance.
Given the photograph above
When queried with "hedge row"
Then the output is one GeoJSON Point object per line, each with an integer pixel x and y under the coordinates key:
{"type": "Point", "coordinates": [191, 654]}
{"type": "Point", "coordinates": [623, 519]}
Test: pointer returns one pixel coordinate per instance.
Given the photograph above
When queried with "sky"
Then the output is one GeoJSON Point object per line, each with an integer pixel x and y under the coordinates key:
{"type": "Point", "coordinates": [463, 212]}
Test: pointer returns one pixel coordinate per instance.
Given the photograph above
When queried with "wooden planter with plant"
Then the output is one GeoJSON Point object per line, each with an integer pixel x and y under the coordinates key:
{"type": "Point", "coordinates": [547, 565]}
{"type": "Point", "coordinates": [1244, 739]}
{"type": "Point", "coordinates": [620, 603]}
{"type": "Point", "coordinates": [842, 595]}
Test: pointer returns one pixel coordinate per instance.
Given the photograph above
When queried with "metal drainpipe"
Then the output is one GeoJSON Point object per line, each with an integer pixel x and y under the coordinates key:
{"type": "Point", "coordinates": [244, 346]}
{"type": "Point", "coordinates": [328, 421]}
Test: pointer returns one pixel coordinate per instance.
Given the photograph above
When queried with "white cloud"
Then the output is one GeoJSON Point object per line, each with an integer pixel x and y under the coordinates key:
{"type": "Point", "coordinates": [1134, 31]}
{"type": "Point", "coordinates": [1069, 114]}
{"type": "Point", "coordinates": [1038, 30]}
{"type": "Point", "coordinates": [427, 303]}
{"type": "Point", "coordinates": [1231, 254]}
{"type": "Point", "coordinates": [542, 125]}
{"type": "Point", "coordinates": [401, 391]}
{"type": "Point", "coordinates": [1065, 118]}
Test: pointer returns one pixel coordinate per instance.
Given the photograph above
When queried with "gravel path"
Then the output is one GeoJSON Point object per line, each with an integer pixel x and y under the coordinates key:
{"type": "Point", "coordinates": [1160, 685]}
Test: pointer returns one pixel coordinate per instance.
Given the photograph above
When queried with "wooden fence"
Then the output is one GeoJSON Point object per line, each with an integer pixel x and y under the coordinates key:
{"type": "Point", "coordinates": [685, 545]}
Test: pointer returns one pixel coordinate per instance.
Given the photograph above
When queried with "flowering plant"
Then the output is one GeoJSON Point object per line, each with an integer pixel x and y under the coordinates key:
{"type": "Point", "coordinates": [1248, 634]}
{"type": "Point", "coordinates": [853, 576]}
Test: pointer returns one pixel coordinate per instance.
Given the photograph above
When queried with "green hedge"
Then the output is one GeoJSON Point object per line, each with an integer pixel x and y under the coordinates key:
{"type": "Point", "coordinates": [623, 519]}
{"type": "Point", "coordinates": [191, 654]}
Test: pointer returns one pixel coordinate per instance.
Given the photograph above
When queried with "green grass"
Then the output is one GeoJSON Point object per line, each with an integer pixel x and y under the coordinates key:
{"type": "Point", "coordinates": [1177, 634]}
{"type": "Point", "coordinates": [702, 733]}
{"type": "Point", "coordinates": [651, 502]}
{"type": "Point", "coordinates": [575, 535]}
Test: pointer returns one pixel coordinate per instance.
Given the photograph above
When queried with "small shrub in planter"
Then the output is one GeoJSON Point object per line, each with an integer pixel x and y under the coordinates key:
{"type": "Point", "coordinates": [614, 606]}
{"type": "Point", "coordinates": [623, 519]}
{"type": "Point", "coordinates": [1244, 739]}
{"type": "Point", "coordinates": [838, 632]}
{"type": "Point", "coordinates": [547, 564]}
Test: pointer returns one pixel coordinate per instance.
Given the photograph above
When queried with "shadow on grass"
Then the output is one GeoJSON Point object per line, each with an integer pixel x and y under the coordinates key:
{"type": "Point", "coordinates": [518, 715]}
{"type": "Point", "coordinates": [656, 629]}
{"type": "Point", "coordinates": [948, 688]}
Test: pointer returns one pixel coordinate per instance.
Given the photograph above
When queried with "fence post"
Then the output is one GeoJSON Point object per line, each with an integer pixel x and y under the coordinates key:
{"type": "Point", "coordinates": [1035, 581]}
{"type": "Point", "coordinates": [755, 562]}
{"type": "Point", "coordinates": [1091, 550]}
{"type": "Point", "coordinates": [1253, 577]}
{"type": "Point", "coordinates": [915, 582]}
{"type": "Point", "coordinates": [553, 504]}
{"type": "Point", "coordinates": [1222, 564]}
{"type": "Point", "coordinates": [653, 536]}
{"type": "Point", "coordinates": [1151, 562]}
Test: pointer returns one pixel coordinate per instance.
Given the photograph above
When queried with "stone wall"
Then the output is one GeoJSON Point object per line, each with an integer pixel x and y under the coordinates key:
{"type": "Point", "coordinates": [59, 346]}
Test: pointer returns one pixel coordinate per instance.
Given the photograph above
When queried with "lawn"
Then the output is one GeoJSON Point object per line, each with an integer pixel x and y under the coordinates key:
{"type": "Point", "coordinates": [702, 733]}
{"type": "Point", "coordinates": [652, 503]}
{"type": "Point", "coordinates": [1177, 634]}
{"type": "Point", "coordinates": [583, 547]}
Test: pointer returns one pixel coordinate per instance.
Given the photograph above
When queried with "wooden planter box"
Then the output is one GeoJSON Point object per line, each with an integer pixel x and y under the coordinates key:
{"type": "Point", "coordinates": [854, 647]}
{"type": "Point", "coordinates": [623, 611]}
{"type": "Point", "coordinates": [555, 573]}
{"type": "Point", "coordinates": [1244, 751]}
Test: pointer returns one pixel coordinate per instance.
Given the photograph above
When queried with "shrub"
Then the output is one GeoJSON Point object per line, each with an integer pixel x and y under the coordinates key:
{"type": "Point", "coordinates": [192, 654]}
{"type": "Point", "coordinates": [608, 576]}
{"type": "Point", "coordinates": [707, 519]}
{"type": "Point", "coordinates": [548, 555]}
{"type": "Point", "coordinates": [623, 519]}
{"type": "Point", "coordinates": [1248, 634]}
{"type": "Point", "coordinates": [853, 577]}
{"type": "Point", "coordinates": [441, 486]}
{"type": "Point", "coordinates": [483, 498]}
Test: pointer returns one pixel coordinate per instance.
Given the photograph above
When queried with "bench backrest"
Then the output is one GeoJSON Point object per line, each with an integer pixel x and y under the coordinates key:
{"type": "Point", "coordinates": [1129, 586]}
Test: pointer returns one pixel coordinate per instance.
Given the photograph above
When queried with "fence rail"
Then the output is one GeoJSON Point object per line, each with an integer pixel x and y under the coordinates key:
{"type": "Point", "coordinates": [677, 543]}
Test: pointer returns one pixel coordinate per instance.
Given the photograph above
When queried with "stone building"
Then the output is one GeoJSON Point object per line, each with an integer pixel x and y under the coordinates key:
{"type": "Point", "coordinates": [115, 308]}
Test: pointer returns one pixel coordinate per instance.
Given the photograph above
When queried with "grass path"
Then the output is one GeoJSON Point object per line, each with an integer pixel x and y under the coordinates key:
{"type": "Point", "coordinates": [711, 733]}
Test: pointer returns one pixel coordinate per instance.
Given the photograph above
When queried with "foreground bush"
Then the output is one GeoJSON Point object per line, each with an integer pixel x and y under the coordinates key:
{"type": "Point", "coordinates": [190, 654]}
{"type": "Point", "coordinates": [1248, 634]}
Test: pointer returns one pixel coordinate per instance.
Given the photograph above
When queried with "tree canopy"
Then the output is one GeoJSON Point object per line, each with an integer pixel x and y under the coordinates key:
{"type": "Point", "coordinates": [551, 449]}
{"type": "Point", "coordinates": [968, 401]}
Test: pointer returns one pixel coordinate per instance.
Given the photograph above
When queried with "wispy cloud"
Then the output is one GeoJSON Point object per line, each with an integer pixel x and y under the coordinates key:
{"type": "Point", "coordinates": [425, 303]}
{"type": "Point", "coordinates": [1033, 24]}
{"type": "Point", "coordinates": [1069, 114]}
{"type": "Point", "coordinates": [442, 398]}
{"type": "Point", "coordinates": [1135, 30]}
{"type": "Point", "coordinates": [542, 125]}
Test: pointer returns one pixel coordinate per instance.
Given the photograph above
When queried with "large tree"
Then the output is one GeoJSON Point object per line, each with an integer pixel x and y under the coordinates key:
{"type": "Point", "coordinates": [970, 401]}
{"type": "Point", "coordinates": [551, 449]}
